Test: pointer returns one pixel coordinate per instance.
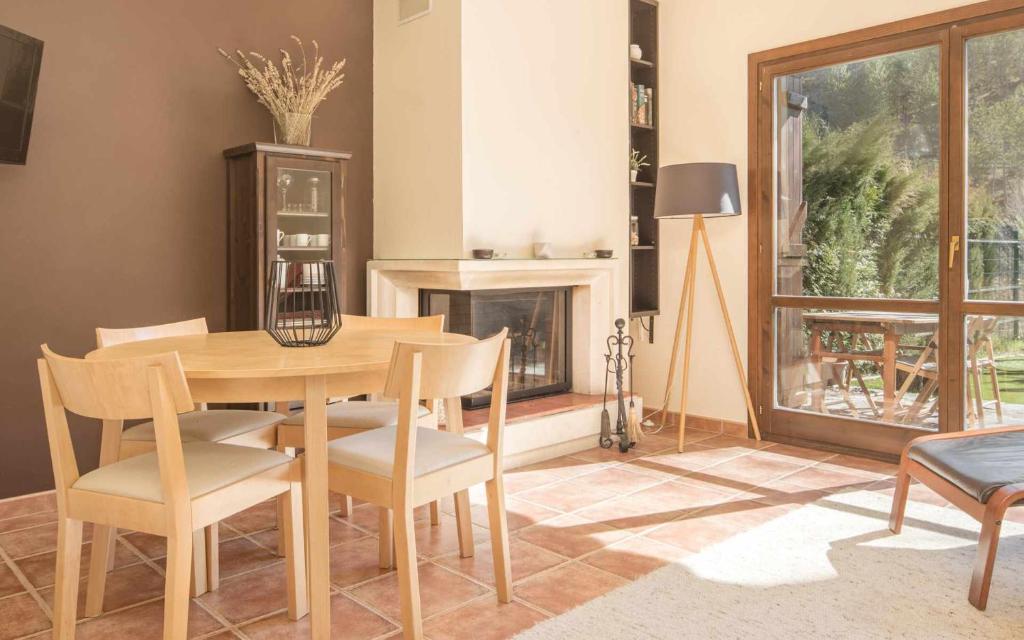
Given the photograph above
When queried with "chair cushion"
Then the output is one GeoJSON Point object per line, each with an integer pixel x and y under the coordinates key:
{"type": "Point", "coordinates": [359, 415]}
{"type": "Point", "coordinates": [208, 466]}
{"type": "Point", "coordinates": [209, 426]}
{"type": "Point", "coordinates": [979, 465]}
{"type": "Point", "coordinates": [374, 451]}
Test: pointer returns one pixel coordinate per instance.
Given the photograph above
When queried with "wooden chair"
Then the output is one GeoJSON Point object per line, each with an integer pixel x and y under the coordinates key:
{"type": "Point", "coordinates": [978, 471]}
{"type": "Point", "coordinates": [980, 360]}
{"type": "Point", "coordinates": [349, 418]}
{"type": "Point", "coordinates": [227, 426]}
{"type": "Point", "coordinates": [924, 365]}
{"type": "Point", "coordinates": [405, 466]}
{"type": "Point", "coordinates": [173, 491]}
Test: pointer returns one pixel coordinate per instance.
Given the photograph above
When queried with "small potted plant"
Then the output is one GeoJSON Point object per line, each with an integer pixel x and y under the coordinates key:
{"type": "Point", "coordinates": [636, 163]}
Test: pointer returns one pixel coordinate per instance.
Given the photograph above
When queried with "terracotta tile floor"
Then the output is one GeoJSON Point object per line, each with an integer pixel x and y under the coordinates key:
{"type": "Point", "coordinates": [582, 525]}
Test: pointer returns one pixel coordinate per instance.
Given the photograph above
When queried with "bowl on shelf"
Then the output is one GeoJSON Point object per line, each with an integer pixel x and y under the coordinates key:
{"type": "Point", "coordinates": [603, 253]}
{"type": "Point", "coordinates": [483, 254]}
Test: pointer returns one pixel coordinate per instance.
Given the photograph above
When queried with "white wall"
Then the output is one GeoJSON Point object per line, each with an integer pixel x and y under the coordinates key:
{"type": "Point", "coordinates": [417, 150]}
{"type": "Point", "coordinates": [501, 123]}
{"type": "Point", "coordinates": [703, 77]}
{"type": "Point", "coordinates": [545, 125]}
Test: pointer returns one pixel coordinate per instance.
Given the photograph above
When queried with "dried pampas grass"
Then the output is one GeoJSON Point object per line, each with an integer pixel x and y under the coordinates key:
{"type": "Point", "coordinates": [288, 90]}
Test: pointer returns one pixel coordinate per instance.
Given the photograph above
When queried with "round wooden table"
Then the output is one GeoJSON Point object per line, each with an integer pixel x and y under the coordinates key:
{"type": "Point", "coordinates": [249, 366]}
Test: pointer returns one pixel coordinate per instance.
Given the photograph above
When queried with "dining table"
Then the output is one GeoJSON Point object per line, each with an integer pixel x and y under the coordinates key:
{"type": "Point", "coordinates": [250, 366]}
{"type": "Point", "coordinates": [891, 326]}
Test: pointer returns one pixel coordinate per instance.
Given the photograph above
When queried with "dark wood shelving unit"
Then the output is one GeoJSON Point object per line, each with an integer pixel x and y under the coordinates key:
{"type": "Point", "coordinates": [258, 207]}
{"type": "Point", "coordinates": [643, 259]}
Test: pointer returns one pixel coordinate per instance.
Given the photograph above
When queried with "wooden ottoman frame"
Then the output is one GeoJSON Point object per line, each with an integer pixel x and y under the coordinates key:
{"type": "Point", "coordinates": [989, 514]}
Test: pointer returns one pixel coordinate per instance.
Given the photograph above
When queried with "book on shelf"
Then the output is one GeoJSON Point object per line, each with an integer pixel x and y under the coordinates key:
{"type": "Point", "coordinates": [641, 100]}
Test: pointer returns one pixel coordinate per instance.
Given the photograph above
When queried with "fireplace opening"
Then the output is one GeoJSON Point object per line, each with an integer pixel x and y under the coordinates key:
{"type": "Point", "coordinates": [539, 322]}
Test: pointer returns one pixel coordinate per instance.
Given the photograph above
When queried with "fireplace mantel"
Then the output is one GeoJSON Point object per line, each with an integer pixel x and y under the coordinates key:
{"type": "Point", "coordinates": [393, 290]}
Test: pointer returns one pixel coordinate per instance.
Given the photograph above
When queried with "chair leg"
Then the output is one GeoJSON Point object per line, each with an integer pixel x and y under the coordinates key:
{"type": "Point", "coordinates": [179, 570]}
{"type": "Point", "coordinates": [197, 581]}
{"type": "Point", "coordinates": [346, 506]}
{"type": "Point", "coordinates": [997, 396]}
{"type": "Point", "coordinates": [435, 514]}
{"type": "Point", "coordinates": [69, 558]}
{"type": "Point", "coordinates": [212, 557]}
{"type": "Point", "coordinates": [385, 541]}
{"type": "Point", "coordinates": [408, 572]}
{"type": "Point", "coordinates": [969, 401]}
{"type": "Point", "coordinates": [295, 552]}
{"type": "Point", "coordinates": [979, 400]}
{"type": "Point", "coordinates": [498, 523]}
{"type": "Point", "coordinates": [988, 543]}
{"type": "Point", "coordinates": [99, 561]}
{"type": "Point", "coordinates": [899, 498]}
{"type": "Point", "coordinates": [282, 506]}
{"type": "Point", "coordinates": [464, 522]}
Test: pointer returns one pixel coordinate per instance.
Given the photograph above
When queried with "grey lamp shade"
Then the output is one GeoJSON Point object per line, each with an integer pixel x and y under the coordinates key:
{"type": "Point", "coordinates": [697, 188]}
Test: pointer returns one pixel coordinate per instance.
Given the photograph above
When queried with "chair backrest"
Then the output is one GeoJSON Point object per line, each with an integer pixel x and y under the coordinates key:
{"type": "Point", "coordinates": [110, 337]}
{"type": "Point", "coordinates": [130, 388]}
{"type": "Point", "coordinates": [434, 324]}
{"type": "Point", "coordinates": [447, 371]}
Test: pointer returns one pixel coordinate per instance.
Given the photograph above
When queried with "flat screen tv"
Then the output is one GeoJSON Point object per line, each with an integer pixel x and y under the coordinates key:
{"type": "Point", "coordinates": [20, 57]}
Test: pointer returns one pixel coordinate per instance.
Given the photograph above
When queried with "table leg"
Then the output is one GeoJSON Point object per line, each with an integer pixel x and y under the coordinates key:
{"type": "Point", "coordinates": [316, 507]}
{"type": "Point", "coordinates": [817, 386]}
{"type": "Point", "coordinates": [889, 375]}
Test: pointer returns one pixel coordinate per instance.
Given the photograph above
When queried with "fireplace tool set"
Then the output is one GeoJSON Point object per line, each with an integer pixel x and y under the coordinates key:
{"type": "Point", "coordinates": [619, 362]}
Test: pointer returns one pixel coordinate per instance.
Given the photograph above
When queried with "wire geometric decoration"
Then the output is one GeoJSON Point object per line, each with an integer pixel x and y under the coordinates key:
{"type": "Point", "coordinates": [302, 302]}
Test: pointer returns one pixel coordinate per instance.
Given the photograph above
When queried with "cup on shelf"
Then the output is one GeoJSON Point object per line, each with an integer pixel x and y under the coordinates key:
{"type": "Point", "coordinates": [297, 240]}
{"type": "Point", "coordinates": [321, 240]}
{"type": "Point", "coordinates": [280, 237]}
{"type": "Point", "coordinates": [311, 274]}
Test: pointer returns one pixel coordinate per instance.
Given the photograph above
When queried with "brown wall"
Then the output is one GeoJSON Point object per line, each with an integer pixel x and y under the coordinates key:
{"type": "Point", "coordinates": [118, 219]}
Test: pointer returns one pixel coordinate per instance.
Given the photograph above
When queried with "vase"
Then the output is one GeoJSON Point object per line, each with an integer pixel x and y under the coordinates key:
{"type": "Point", "coordinates": [293, 128]}
{"type": "Point", "coordinates": [633, 173]}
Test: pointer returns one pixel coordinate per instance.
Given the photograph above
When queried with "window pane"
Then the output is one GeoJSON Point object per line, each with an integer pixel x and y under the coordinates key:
{"type": "Point", "coordinates": [995, 165]}
{"type": "Point", "coordinates": [857, 157]}
{"type": "Point", "coordinates": [876, 366]}
{"type": "Point", "coordinates": [993, 371]}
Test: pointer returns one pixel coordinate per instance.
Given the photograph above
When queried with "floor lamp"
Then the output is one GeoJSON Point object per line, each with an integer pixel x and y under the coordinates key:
{"type": "Point", "coordinates": [698, 190]}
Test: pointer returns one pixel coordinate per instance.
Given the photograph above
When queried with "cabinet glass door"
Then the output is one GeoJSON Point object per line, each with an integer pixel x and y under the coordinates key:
{"type": "Point", "coordinates": [300, 216]}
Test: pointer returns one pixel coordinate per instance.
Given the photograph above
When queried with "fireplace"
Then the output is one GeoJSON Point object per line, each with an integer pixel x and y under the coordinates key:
{"type": "Point", "coordinates": [539, 322]}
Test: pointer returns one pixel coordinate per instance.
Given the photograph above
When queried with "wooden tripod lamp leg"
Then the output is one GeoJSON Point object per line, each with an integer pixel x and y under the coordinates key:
{"type": "Point", "coordinates": [674, 357]}
{"type": "Point", "coordinates": [689, 287]}
{"type": "Point", "coordinates": [699, 224]}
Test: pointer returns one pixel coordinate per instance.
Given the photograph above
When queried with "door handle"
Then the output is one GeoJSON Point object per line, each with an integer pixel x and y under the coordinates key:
{"type": "Point", "coordinates": [954, 246]}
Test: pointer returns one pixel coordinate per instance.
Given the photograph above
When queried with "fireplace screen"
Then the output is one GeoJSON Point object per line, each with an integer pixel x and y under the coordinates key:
{"type": "Point", "coordinates": [538, 322]}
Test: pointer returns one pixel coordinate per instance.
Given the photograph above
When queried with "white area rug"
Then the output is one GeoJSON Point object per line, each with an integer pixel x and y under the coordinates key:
{"type": "Point", "coordinates": [830, 569]}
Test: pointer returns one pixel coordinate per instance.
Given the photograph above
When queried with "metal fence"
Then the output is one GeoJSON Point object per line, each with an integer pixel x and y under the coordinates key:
{"type": "Point", "coordinates": [994, 269]}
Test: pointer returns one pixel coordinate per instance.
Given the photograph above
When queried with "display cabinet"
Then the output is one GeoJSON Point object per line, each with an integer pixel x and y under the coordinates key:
{"type": "Point", "coordinates": [284, 203]}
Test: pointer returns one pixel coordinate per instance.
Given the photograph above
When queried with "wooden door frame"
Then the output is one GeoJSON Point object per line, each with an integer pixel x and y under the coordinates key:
{"type": "Point", "coordinates": [948, 29]}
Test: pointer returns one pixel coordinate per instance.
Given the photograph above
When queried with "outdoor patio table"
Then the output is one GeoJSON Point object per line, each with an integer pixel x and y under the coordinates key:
{"type": "Point", "coordinates": [891, 326]}
{"type": "Point", "coordinates": [249, 366]}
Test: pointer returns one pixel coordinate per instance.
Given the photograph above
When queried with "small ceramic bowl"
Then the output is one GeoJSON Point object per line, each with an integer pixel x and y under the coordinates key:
{"type": "Point", "coordinates": [603, 253]}
{"type": "Point", "coordinates": [483, 254]}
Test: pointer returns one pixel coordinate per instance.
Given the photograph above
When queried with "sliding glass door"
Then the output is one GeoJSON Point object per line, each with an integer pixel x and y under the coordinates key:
{"type": "Point", "coordinates": [890, 221]}
{"type": "Point", "coordinates": [990, 182]}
